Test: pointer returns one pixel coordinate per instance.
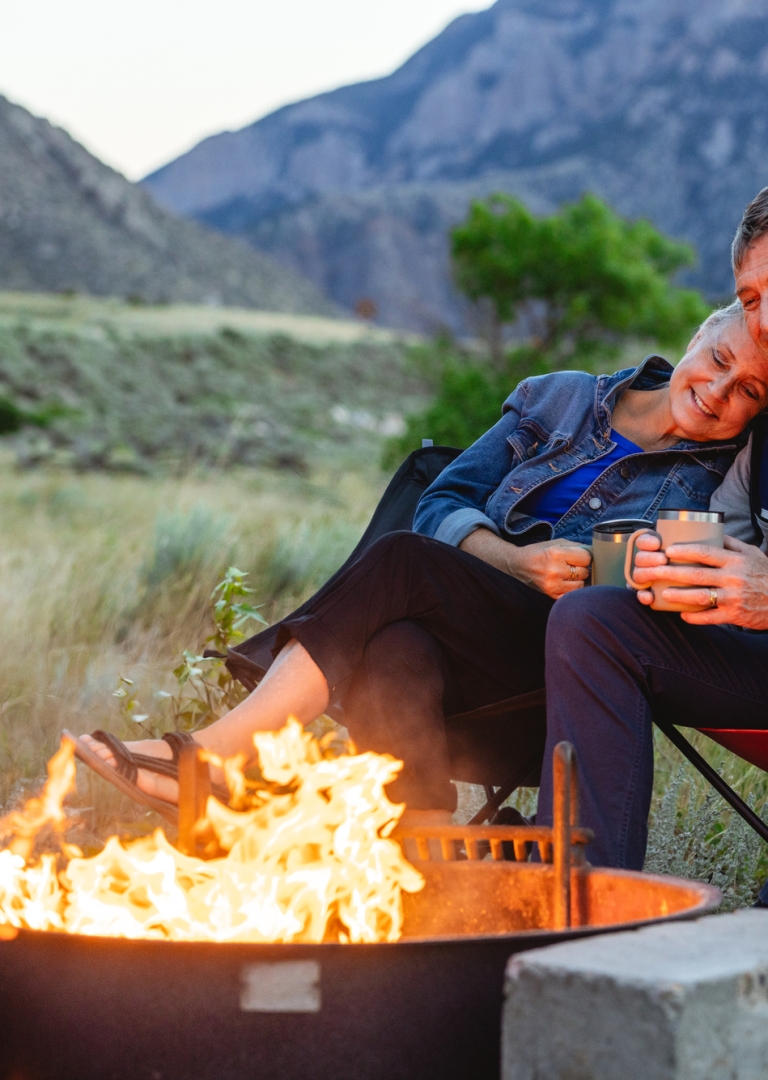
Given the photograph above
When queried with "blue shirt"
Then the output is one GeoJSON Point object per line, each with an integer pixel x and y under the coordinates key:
{"type": "Point", "coordinates": [555, 499]}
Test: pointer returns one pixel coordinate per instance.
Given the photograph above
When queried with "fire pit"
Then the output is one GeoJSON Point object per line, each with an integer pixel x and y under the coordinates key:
{"type": "Point", "coordinates": [427, 1006]}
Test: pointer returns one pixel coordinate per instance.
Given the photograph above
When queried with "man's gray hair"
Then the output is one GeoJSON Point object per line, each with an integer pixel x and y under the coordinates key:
{"type": "Point", "coordinates": [721, 317]}
{"type": "Point", "coordinates": [753, 225]}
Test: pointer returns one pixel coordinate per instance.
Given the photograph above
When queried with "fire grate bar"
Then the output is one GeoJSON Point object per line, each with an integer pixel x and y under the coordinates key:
{"type": "Point", "coordinates": [526, 833]}
{"type": "Point", "coordinates": [562, 845]}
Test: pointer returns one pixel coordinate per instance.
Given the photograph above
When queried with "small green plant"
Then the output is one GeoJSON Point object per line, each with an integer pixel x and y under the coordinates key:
{"type": "Point", "coordinates": [230, 612]}
{"type": "Point", "coordinates": [205, 687]}
{"type": "Point", "coordinates": [129, 704]}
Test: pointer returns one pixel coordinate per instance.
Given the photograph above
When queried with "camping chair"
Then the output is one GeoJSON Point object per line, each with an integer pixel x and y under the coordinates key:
{"type": "Point", "coordinates": [248, 662]}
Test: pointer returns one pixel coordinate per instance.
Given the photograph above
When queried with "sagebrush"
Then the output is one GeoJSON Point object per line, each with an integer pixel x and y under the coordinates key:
{"type": "Point", "coordinates": [100, 398]}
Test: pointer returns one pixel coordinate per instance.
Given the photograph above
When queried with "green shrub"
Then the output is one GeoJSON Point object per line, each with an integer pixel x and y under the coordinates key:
{"type": "Point", "coordinates": [469, 395]}
{"type": "Point", "coordinates": [303, 556]}
{"type": "Point", "coordinates": [184, 546]}
{"type": "Point", "coordinates": [102, 398]}
{"type": "Point", "coordinates": [687, 838]}
{"type": "Point", "coordinates": [575, 287]}
{"type": "Point", "coordinates": [11, 417]}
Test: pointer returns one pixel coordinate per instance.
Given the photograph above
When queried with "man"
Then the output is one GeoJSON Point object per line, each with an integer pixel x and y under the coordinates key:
{"type": "Point", "coordinates": [613, 664]}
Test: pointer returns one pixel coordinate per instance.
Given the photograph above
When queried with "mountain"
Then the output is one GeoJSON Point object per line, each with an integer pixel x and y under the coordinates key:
{"type": "Point", "coordinates": [659, 106]}
{"type": "Point", "coordinates": [68, 222]}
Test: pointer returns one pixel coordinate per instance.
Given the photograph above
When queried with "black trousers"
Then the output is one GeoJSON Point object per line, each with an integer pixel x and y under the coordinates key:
{"type": "Point", "coordinates": [412, 637]}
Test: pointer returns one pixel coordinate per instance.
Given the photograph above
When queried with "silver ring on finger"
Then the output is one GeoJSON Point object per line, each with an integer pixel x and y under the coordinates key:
{"type": "Point", "coordinates": [713, 597]}
{"type": "Point", "coordinates": [574, 573]}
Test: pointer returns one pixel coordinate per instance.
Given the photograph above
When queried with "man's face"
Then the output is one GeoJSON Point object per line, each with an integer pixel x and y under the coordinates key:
{"type": "Point", "coordinates": [752, 291]}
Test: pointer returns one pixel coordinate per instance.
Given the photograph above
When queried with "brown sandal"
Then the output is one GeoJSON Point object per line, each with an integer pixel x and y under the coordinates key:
{"type": "Point", "coordinates": [125, 774]}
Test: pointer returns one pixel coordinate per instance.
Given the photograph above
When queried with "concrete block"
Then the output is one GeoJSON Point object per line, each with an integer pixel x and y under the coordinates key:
{"type": "Point", "coordinates": [677, 1001]}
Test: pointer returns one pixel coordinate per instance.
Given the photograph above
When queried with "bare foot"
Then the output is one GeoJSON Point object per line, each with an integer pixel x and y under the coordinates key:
{"type": "Point", "coordinates": [162, 787]}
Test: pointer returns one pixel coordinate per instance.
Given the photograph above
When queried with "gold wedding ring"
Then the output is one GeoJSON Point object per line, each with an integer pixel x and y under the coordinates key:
{"type": "Point", "coordinates": [575, 574]}
{"type": "Point", "coordinates": [713, 597]}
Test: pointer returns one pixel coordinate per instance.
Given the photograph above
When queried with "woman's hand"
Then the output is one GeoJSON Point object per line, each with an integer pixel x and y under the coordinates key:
{"type": "Point", "coordinates": [554, 567]}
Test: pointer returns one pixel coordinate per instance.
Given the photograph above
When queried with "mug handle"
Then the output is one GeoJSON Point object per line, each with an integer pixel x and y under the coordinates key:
{"type": "Point", "coordinates": [629, 559]}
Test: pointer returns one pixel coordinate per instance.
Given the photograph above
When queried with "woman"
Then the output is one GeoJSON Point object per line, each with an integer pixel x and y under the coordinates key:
{"type": "Point", "coordinates": [450, 619]}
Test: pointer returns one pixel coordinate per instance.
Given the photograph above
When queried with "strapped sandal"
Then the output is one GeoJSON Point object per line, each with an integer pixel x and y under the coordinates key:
{"type": "Point", "coordinates": [125, 775]}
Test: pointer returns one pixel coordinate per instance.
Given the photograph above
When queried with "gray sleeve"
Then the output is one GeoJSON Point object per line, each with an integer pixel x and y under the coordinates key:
{"type": "Point", "coordinates": [457, 526]}
{"type": "Point", "coordinates": [732, 499]}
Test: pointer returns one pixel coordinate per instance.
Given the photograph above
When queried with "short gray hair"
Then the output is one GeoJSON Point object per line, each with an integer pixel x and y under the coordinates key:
{"type": "Point", "coordinates": [753, 225]}
{"type": "Point", "coordinates": [722, 317]}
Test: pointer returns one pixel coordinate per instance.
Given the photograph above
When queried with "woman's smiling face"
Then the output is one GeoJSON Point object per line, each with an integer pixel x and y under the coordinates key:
{"type": "Point", "coordinates": [720, 384]}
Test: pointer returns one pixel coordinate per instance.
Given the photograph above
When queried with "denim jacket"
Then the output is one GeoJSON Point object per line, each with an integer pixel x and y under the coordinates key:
{"type": "Point", "coordinates": [550, 425]}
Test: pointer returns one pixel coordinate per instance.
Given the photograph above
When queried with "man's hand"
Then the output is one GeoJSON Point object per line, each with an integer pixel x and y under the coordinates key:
{"type": "Point", "coordinates": [545, 566]}
{"type": "Point", "coordinates": [739, 572]}
{"type": "Point", "coordinates": [648, 553]}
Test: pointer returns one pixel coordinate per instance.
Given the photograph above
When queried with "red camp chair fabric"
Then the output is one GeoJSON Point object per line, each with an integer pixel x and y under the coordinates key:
{"type": "Point", "coordinates": [748, 744]}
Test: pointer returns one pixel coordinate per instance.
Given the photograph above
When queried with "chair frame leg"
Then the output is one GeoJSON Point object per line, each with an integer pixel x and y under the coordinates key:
{"type": "Point", "coordinates": [717, 782]}
{"type": "Point", "coordinates": [494, 802]}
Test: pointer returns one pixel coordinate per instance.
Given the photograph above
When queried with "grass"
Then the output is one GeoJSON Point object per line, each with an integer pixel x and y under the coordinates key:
{"type": "Point", "coordinates": [103, 576]}
{"type": "Point", "coordinates": [90, 315]}
{"type": "Point", "coordinates": [694, 834]}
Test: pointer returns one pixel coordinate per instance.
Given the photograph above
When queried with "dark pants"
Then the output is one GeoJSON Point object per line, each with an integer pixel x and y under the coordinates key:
{"type": "Point", "coordinates": [415, 632]}
{"type": "Point", "coordinates": [611, 665]}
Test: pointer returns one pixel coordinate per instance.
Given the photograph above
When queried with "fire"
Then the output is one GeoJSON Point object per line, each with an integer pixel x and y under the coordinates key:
{"type": "Point", "coordinates": [306, 856]}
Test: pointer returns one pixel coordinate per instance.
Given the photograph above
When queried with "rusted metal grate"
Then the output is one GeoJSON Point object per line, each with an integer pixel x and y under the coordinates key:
{"type": "Point", "coordinates": [562, 844]}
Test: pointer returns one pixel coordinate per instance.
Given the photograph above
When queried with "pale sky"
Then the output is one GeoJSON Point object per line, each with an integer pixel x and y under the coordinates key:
{"type": "Point", "coordinates": [140, 81]}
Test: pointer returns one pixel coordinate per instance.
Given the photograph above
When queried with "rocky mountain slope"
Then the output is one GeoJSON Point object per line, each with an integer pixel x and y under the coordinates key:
{"type": "Point", "coordinates": [68, 222]}
{"type": "Point", "coordinates": [659, 106]}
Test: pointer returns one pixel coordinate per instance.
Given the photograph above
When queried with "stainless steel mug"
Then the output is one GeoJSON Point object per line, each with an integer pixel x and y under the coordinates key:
{"type": "Point", "coordinates": [676, 527]}
{"type": "Point", "coordinates": [609, 540]}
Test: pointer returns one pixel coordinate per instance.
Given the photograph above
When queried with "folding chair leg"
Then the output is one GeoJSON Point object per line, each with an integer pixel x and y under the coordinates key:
{"type": "Point", "coordinates": [495, 800]}
{"type": "Point", "coordinates": [717, 782]}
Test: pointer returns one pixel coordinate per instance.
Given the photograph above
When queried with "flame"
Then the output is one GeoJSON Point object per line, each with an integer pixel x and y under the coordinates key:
{"type": "Point", "coordinates": [307, 857]}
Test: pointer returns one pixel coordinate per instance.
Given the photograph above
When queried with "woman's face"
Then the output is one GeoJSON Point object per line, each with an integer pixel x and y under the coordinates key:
{"type": "Point", "coordinates": [720, 384]}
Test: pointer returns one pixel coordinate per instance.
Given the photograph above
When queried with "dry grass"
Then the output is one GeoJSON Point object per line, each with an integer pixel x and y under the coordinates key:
{"type": "Point", "coordinates": [91, 314]}
{"type": "Point", "coordinates": [102, 576]}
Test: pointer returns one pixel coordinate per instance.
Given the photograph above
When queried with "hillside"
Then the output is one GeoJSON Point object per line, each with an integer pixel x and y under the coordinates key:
{"type": "Point", "coordinates": [659, 106]}
{"type": "Point", "coordinates": [93, 384]}
{"type": "Point", "coordinates": [68, 222]}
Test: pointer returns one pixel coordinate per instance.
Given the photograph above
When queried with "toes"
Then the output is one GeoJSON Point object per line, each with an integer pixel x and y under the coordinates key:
{"type": "Point", "coordinates": [100, 750]}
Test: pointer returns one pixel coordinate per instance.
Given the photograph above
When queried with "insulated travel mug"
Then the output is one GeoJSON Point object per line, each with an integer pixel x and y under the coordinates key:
{"type": "Point", "coordinates": [609, 547]}
{"type": "Point", "coordinates": [676, 527]}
